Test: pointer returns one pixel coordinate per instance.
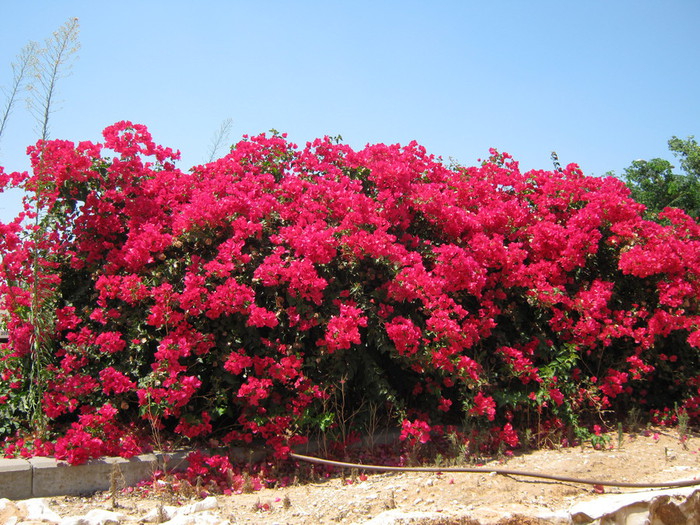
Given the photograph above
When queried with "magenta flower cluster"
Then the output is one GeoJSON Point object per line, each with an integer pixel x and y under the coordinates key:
{"type": "Point", "coordinates": [238, 300]}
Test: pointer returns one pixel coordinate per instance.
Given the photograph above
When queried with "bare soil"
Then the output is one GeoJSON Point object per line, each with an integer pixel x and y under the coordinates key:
{"type": "Point", "coordinates": [655, 455]}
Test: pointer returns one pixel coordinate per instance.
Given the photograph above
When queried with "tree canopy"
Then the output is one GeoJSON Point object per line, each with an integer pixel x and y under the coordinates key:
{"type": "Point", "coordinates": [655, 184]}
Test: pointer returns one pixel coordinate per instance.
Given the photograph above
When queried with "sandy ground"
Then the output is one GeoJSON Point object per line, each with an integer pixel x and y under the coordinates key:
{"type": "Point", "coordinates": [652, 456]}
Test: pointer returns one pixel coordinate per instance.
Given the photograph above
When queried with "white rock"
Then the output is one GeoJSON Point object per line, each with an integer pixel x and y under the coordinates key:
{"type": "Point", "coordinates": [209, 503]}
{"type": "Point", "coordinates": [38, 509]}
{"type": "Point", "coordinates": [9, 512]}
{"type": "Point", "coordinates": [401, 517]}
{"type": "Point", "coordinates": [199, 518]}
{"type": "Point", "coordinates": [557, 516]}
{"type": "Point", "coordinates": [74, 520]}
{"type": "Point", "coordinates": [95, 517]}
{"type": "Point", "coordinates": [168, 512]}
{"type": "Point", "coordinates": [7, 507]}
{"type": "Point", "coordinates": [609, 504]}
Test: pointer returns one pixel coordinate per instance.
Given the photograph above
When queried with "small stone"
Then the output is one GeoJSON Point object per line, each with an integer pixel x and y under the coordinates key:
{"type": "Point", "coordinates": [172, 514]}
{"type": "Point", "coordinates": [209, 503]}
{"type": "Point", "coordinates": [199, 518]}
{"type": "Point", "coordinates": [397, 516]}
{"type": "Point", "coordinates": [105, 517]}
{"type": "Point", "coordinates": [37, 509]}
{"type": "Point", "coordinates": [95, 517]}
{"type": "Point", "coordinates": [158, 514]}
{"type": "Point", "coordinates": [8, 511]}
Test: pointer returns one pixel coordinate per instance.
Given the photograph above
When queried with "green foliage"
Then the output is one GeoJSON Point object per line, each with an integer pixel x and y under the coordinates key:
{"type": "Point", "coordinates": [688, 152]}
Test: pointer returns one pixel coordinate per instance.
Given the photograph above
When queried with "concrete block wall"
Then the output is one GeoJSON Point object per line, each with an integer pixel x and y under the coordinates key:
{"type": "Point", "coordinates": [15, 479]}
{"type": "Point", "coordinates": [43, 477]}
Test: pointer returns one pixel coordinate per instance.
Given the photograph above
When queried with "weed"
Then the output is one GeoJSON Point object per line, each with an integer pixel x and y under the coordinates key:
{"type": "Point", "coordinates": [634, 419]}
{"type": "Point", "coordinates": [162, 516]}
{"type": "Point", "coordinates": [116, 483]}
{"type": "Point", "coordinates": [247, 487]}
{"type": "Point", "coordinates": [258, 506]}
{"type": "Point", "coordinates": [458, 449]}
{"type": "Point", "coordinates": [390, 502]}
{"type": "Point", "coordinates": [600, 442]}
{"type": "Point", "coordinates": [683, 419]}
{"type": "Point", "coordinates": [440, 460]}
{"type": "Point", "coordinates": [372, 424]}
{"type": "Point", "coordinates": [620, 436]}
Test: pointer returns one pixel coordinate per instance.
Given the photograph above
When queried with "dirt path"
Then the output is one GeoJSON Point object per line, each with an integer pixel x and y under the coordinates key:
{"type": "Point", "coordinates": [450, 497]}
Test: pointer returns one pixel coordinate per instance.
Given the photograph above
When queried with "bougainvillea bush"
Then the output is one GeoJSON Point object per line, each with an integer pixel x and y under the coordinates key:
{"type": "Point", "coordinates": [282, 292]}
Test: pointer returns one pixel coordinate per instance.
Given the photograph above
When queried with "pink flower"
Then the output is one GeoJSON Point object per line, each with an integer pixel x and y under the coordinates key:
{"type": "Point", "coordinates": [484, 406]}
{"type": "Point", "coordinates": [343, 330]}
{"type": "Point", "coordinates": [444, 404]}
{"type": "Point", "coordinates": [556, 396]}
{"type": "Point", "coordinates": [115, 382]}
{"type": "Point", "coordinates": [417, 430]}
{"type": "Point", "coordinates": [405, 335]}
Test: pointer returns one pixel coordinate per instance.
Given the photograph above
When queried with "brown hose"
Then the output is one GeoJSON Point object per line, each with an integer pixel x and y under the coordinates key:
{"type": "Point", "coordinates": [505, 472]}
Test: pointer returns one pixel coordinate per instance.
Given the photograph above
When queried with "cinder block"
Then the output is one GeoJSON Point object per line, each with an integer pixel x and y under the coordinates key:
{"type": "Point", "coordinates": [132, 471]}
{"type": "Point", "coordinates": [15, 479]}
{"type": "Point", "coordinates": [173, 461]}
{"type": "Point", "coordinates": [140, 468]}
{"type": "Point", "coordinates": [45, 477]}
{"type": "Point", "coordinates": [56, 478]}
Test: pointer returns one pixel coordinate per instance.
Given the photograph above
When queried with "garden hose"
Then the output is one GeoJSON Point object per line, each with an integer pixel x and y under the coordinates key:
{"type": "Point", "coordinates": [504, 472]}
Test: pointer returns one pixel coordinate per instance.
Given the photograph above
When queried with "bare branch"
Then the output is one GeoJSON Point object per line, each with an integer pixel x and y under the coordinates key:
{"type": "Point", "coordinates": [53, 64]}
{"type": "Point", "coordinates": [220, 138]}
{"type": "Point", "coordinates": [20, 70]}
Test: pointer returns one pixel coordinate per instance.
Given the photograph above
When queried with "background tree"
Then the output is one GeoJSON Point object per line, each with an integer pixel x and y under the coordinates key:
{"type": "Point", "coordinates": [21, 69]}
{"type": "Point", "coordinates": [220, 138]}
{"type": "Point", "coordinates": [38, 70]}
{"type": "Point", "coordinates": [688, 152]}
{"type": "Point", "coordinates": [655, 184]}
{"type": "Point", "coordinates": [53, 63]}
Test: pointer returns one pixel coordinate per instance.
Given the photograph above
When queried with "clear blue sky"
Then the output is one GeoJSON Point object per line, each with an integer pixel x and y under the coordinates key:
{"type": "Point", "coordinates": [601, 82]}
